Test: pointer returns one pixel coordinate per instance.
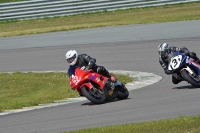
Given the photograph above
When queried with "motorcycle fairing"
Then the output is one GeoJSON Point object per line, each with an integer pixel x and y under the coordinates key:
{"type": "Point", "coordinates": [194, 64]}
{"type": "Point", "coordinates": [82, 78]}
{"type": "Point", "coordinates": [96, 79]}
{"type": "Point", "coordinates": [87, 84]}
{"type": "Point", "coordinates": [178, 60]}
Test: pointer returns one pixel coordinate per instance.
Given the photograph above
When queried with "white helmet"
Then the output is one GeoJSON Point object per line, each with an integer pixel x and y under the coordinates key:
{"type": "Point", "coordinates": [163, 49]}
{"type": "Point", "coordinates": [71, 57]}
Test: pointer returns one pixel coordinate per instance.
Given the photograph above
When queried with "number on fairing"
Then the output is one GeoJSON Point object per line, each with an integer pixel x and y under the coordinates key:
{"type": "Point", "coordinates": [75, 79]}
{"type": "Point", "coordinates": [175, 62]}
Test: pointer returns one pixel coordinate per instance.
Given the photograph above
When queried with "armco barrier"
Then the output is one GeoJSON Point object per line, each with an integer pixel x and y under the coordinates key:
{"type": "Point", "coordinates": [50, 8]}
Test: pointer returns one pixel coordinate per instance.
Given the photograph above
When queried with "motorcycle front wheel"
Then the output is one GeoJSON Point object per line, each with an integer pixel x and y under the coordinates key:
{"type": "Point", "coordinates": [96, 96]}
{"type": "Point", "coordinates": [193, 81]}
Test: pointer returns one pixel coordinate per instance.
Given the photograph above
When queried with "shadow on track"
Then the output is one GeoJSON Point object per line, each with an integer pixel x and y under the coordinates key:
{"type": "Point", "coordinates": [115, 100]}
{"type": "Point", "coordinates": [185, 87]}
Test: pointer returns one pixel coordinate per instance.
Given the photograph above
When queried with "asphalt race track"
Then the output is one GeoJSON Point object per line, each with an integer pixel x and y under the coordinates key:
{"type": "Point", "coordinates": [132, 48]}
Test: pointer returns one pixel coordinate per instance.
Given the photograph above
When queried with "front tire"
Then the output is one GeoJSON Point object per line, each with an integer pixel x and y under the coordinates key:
{"type": "Point", "coordinates": [190, 79]}
{"type": "Point", "coordinates": [93, 95]}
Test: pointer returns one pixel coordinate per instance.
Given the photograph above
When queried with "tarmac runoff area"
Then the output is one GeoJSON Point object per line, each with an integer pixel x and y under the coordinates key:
{"type": "Point", "coordinates": [141, 79]}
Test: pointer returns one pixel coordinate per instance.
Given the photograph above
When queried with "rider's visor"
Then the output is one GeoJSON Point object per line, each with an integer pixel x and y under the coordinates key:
{"type": "Point", "coordinates": [70, 60]}
{"type": "Point", "coordinates": [162, 53]}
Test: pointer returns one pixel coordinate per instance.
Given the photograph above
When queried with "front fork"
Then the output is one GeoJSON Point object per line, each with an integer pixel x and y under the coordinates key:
{"type": "Point", "coordinates": [188, 69]}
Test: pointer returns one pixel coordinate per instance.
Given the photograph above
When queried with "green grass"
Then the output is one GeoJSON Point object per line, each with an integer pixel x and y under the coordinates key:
{"type": "Point", "coordinates": [177, 125]}
{"type": "Point", "coordinates": [189, 11]}
{"type": "Point", "coordinates": [7, 1]}
{"type": "Point", "coordinates": [19, 90]}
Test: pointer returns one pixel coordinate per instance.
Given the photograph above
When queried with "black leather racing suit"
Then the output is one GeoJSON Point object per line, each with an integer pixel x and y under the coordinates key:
{"type": "Point", "coordinates": [86, 60]}
{"type": "Point", "coordinates": [165, 60]}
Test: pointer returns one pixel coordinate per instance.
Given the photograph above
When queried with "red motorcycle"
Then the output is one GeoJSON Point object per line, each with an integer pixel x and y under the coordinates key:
{"type": "Point", "coordinates": [96, 87]}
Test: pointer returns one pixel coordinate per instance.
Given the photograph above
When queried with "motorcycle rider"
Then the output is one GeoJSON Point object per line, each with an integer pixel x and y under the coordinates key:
{"type": "Point", "coordinates": [81, 60]}
{"type": "Point", "coordinates": [165, 51]}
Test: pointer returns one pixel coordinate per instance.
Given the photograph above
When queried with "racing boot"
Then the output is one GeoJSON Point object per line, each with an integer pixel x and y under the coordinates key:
{"type": "Point", "coordinates": [112, 78]}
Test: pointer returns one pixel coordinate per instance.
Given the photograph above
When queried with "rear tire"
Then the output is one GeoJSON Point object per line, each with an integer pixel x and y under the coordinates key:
{"type": "Point", "coordinates": [190, 79]}
{"type": "Point", "coordinates": [123, 92]}
{"type": "Point", "coordinates": [94, 96]}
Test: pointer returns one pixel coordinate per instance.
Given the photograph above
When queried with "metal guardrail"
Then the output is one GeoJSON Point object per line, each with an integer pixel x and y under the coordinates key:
{"type": "Point", "coordinates": [50, 8]}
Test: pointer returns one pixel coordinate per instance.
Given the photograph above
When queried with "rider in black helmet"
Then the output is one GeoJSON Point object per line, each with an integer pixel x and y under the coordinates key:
{"type": "Point", "coordinates": [164, 50]}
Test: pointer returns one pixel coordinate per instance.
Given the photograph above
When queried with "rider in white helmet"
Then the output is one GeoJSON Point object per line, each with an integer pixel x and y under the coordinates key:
{"type": "Point", "coordinates": [81, 60]}
{"type": "Point", "coordinates": [164, 51]}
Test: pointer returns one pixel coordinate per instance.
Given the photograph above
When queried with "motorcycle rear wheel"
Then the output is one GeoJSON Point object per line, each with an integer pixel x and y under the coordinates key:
{"type": "Point", "coordinates": [123, 92]}
{"type": "Point", "coordinates": [190, 79]}
{"type": "Point", "coordinates": [93, 95]}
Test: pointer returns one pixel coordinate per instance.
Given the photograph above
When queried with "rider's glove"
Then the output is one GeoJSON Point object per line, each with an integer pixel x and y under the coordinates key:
{"type": "Point", "coordinates": [84, 68]}
{"type": "Point", "coordinates": [87, 68]}
{"type": "Point", "coordinates": [173, 71]}
{"type": "Point", "coordinates": [164, 65]}
{"type": "Point", "coordinates": [169, 71]}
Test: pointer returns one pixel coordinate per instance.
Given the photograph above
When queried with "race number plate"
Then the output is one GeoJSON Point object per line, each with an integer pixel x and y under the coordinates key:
{"type": "Point", "coordinates": [175, 62]}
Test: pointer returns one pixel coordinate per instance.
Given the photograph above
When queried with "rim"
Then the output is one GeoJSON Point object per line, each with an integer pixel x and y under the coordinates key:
{"type": "Point", "coordinates": [96, 93]}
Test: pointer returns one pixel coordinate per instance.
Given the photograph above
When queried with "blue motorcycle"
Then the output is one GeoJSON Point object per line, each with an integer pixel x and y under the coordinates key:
{"type": "Point", "coordinates": [185, 67]}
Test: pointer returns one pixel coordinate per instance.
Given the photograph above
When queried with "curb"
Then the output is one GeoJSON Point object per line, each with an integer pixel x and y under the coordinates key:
{"type": "Point", "coordinates": [141, 79]}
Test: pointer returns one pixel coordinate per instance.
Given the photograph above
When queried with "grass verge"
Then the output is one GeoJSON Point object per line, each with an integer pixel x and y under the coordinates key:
{"type": "Point", "coordinates": [7, 1]}
{"type": "Point", "coordinates": [178, 125]}
{"type": "Point", "coordinates": [188, 11]}
{"type": "Point", "coordinates": [19, 90]}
